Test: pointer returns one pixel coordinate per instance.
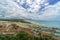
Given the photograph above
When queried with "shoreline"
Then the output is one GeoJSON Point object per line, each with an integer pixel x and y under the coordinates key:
{"type": "Point", "coordinates": [26, 24]}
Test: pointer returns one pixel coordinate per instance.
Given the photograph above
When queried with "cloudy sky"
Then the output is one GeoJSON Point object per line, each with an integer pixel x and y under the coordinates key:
{"type": "Point", "coordinates": [30, 9]}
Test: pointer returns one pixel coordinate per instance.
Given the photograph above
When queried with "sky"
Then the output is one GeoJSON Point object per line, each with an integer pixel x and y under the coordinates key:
{"type": "Point", "coordinates": [30, 9]}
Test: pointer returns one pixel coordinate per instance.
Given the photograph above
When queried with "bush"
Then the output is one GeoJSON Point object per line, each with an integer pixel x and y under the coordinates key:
{"type": "Point", "coordinates": [23, 36]}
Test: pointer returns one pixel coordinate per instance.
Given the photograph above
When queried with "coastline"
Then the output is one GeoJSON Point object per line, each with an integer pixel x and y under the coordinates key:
{"type": "Point", "coordinates": [35, 27]}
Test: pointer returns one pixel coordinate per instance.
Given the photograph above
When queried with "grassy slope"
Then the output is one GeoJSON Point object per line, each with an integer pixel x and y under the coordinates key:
{"type": "Point", "coordinates": [21, 22]}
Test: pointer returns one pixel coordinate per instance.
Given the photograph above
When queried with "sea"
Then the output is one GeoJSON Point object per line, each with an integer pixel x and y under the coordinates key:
{"type": "Point", "coordinates": [52, 24]}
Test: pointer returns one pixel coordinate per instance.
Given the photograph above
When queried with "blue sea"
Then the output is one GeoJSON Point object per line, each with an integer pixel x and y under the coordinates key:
{"type": "Point", "coordinates": [54, 24]}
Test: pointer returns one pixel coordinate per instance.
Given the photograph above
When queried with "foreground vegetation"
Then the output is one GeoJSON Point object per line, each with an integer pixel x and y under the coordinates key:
{"type": "Point", "coordinates": [23, 36]}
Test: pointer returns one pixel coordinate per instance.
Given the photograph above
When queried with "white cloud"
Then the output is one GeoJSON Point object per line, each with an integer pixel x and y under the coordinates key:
{"type": "Point", "coordinates": [12, 10]}
{"type": "Point", "coordinates": [36, 5]}
{"type": "Point", "coordinates": [51, 12]}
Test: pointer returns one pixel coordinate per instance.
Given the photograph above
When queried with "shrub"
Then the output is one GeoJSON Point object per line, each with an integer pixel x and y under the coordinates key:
{"type": "Point", "coordinates": [23, 36]}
